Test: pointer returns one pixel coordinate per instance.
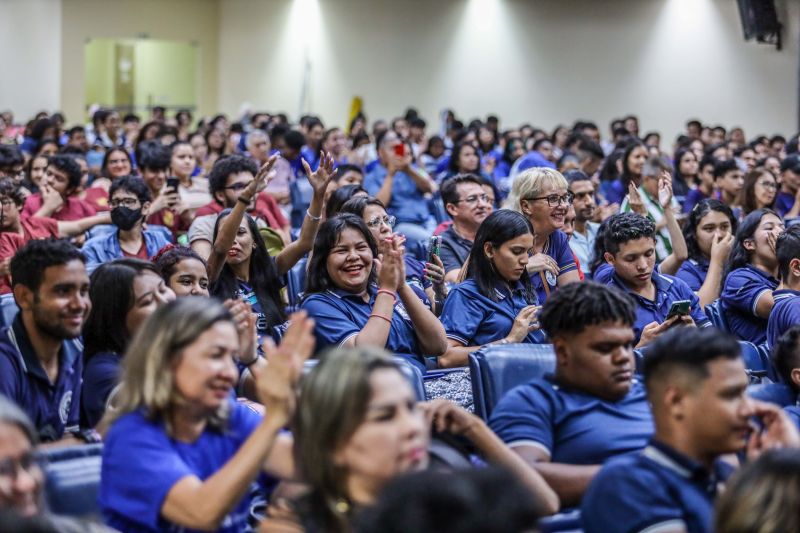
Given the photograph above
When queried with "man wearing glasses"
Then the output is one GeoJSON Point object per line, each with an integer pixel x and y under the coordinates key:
{"type": "Point", "coordinates": [468, 205]}
{"type": "Point", "coordinates": [130, 205]}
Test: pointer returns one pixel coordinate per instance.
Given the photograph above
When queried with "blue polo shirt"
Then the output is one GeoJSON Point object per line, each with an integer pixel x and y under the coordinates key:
{"type": "Point", "coordinates": [530, 160]}
{"type": "Point", "coordinates": [571, 426]}
{"type": "Point", "coordinates": [739, 296]}
{"type": "Point", "coordinates": [340, 315]}
{"type": "Point", "coordinates": [141, 464]}
{"type": "Point", "coordinates": [557, 247]}
{"type": "Point", "coordinates": [693, 272]}
{"type": "Point", "coordinates": [408, 203]}
{"type": "Point", "coordinates": [693, 197]}
{"type": "Point", "coordinates": [793, 411]}
{"type": "Point", "coordinates": [784, 203]}
{"type": "Point", "coordinates": [603, 273]}
{"type": "Point", "coordinates": [784, 315]}
{"type": "Point", "coordinates": [415, 278]}
{"type": "Point", "coordinates": [668, 290]}
{"type": "Point", "coordinates": [54, 408]}
{"type": "Point", "coordinates": [473, 319]}
{"type": "Point", "coordinates": [657, 489]}
{"type": "Point", "coordinates": [100, 376]}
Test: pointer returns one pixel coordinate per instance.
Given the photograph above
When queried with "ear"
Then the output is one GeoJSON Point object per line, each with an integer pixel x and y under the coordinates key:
{"type": "Point", "coordinates": [219, 196]}
{"type": "Point", "coordinates": [794, 267]}
{"type": "Point", "coordinates": [609, 258]}
{"type": "Point", "coordinates": [23, 296]}
{"type": "Point", "coordinates": [749, 244]}
{"type": "Point", "coordinates": [561, 350]}
{"type": "Point", "coordinates": [451, 210]}
{"type": "Point", "coordinates": [674, 400]}
{"type": "Point", "coordinates": [145, 209]}
{"type": "Point", "coordinates": [795, 376]}
{"type": "Point", "coordinates": [488, 250]}
{"type": "Point", "coordinates": [525, 207]}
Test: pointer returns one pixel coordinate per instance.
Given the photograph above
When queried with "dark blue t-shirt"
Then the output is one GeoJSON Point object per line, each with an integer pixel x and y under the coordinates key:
{"type": "Point", "coordinates": [416, 279]}
{"type": "Point", "coordinates": [141, 464]}
{"type": "Point", "coordinates": [100, 376]}
{"type": "Point", "coordinates": [693, 197]}
{"type": "Point", "coordinates": [739, 298]}
{"type": "Point", "coordinates": [785, 314]}
{"type": "Point", "coordinates": [658, 489]}
{"type": "Point", "coordinates": [473, 319]}
{"type": "Point", "coordinates": [693, 272]}
{"type": "Point", "coordinates": [557, 247]}
{"type": "Point", "coordinates": [784, 203]}
{"type": "Point", "coordinates": [54, 408]}
{"type": "Point", "coordinates": [573, 427]}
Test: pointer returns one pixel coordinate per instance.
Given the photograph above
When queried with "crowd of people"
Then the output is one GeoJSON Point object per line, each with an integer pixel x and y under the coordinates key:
{"type": "Point", "coordinates": [149, 265]}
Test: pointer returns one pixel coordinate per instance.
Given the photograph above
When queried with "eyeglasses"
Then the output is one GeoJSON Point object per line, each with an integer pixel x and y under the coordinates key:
{"type": "Point", "coordinates": [554, 200]}
{"type": "Point", "coordinates": [13, 173]}
{"type": "Point", "coordinates": [474, 199]}
{"type": "Point", "coordinates": [29, 462]}
{"type": "Point", "coordinates": [377, 221]}
{"type": "Point", "coordinates": [237, 186]}
{"type": "Point", "coordinates": [125, 202]}
{"type": "Point", "coordinates": [767, 184]}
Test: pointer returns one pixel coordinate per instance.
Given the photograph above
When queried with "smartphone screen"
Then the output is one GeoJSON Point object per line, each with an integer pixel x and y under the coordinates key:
{"type": "Point", "coordinates": [172, 183]}
{"type": "Point", "coordinates": [680, 307]}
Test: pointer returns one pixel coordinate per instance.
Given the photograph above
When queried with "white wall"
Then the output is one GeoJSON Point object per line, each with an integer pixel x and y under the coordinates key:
{"type": "Point", "coordinates": [543, 61]}
{"type": "Point", "coordinates": [30, 37]}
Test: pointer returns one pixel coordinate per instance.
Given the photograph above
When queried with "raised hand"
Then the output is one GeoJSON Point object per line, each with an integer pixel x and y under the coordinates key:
{"type": "Point", "coordinates": [261, 179]}
{"type": "Point", "coordinates": [665, 190]}
{"type": "Point", "coordinates": [325, 171]}
{"type": "Point", "coordinates": [51, 198]}
{"type": "Point", "coordinates": [635, 200]}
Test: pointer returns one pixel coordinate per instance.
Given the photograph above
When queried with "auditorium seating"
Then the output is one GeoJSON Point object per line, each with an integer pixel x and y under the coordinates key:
{"type": "Point", "coordinates": [715, 315]}
{"type": "Point", "coordinates": [73, 479]}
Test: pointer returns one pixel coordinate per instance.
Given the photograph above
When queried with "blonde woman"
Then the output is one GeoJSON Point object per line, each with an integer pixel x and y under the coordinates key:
{"type": "Point", "coordinates": [180, 452]}
{"type": "Point", "coordinates": [542, 195]}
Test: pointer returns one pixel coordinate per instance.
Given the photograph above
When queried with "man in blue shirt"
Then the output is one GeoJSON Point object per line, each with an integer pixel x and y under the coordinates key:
{"type": "Point", "coordinates": [402, 188]}
{"type": "Point", "coordinates": [593, 408]}
{"type": "Point", "coordinates": [631, 250]}
{"type": "Point", "coordinates": [786, 311]}
{"type": "Point", "coordinates": [786, 358]}
{"type": "Point", "coordinates": [129, 199]}
{"type": "Point", "coordinates": [40, 356]}
{"type": "Point", "coordinates": [790, 183]}
{"type": "Point", "coordinates": [696, 385]}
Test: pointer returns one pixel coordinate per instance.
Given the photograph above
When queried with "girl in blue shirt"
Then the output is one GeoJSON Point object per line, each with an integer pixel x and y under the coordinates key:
{"type": "Point", "coordinates": [358, 301]}
{"type": "Point", "coordinates": [124, 293]}
{"type": "Point", "coordinates": [179, 452]}
{"type": "Point", "coordinates": [497, 303]}
{"type": "Point", "coordinates": [709, 235]}
{"type": "Point", "coordinates": [750, 276]}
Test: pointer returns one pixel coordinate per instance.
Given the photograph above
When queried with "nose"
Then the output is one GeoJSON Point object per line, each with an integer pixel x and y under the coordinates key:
{"type": "Point", "coordinates": [621, 355]}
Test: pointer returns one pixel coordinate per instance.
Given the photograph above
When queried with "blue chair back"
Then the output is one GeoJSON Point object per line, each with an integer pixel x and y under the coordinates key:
{"type": "Point", "coordinates": [8, 310]}
{"type": "Point", "coordinates": [567, 522]}
{"type": "Point", "coordinates": [496, 369]}
{"type": "Point", "coordinates": [772, 372]}
{"type": "Point", "coordinates": [716, 316]}
{"type": "Point", "coordinates": [300, 193]}
{"type": "Point", "coordinates": [777, 393]}
{"type": "Point", "coordinates": [296, 281]}
{"type": "Point", "coordinates": [754, 360]}
{"type": "Point", "coordinates": [73, 479]}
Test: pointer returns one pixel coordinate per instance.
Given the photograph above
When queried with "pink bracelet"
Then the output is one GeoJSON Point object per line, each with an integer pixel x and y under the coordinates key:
{"type": "Point", "coordinates": [389, 320]}
{"type": "Point", "coordinates": [390, 293]}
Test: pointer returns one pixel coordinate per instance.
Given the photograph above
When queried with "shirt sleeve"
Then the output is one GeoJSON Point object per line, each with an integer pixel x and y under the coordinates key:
{"type": "Point", "coordinates": [562, 253]}
{"type": "Point", "coordinates": [202, 229]}
{"type": "Point", "coordinates": [690, 276]}
{"type": "Point", "coordinates": [332, 327]}
{"type": "Point", "coordinates": [448, 255]}
{"type": "Point", "coordinates": [9, 377]}
{"type": "Point", "coordinates": [524, 416]}
{"type": "Point", "coordinates": [623, 497]}
{"type": "Point", "coordinates": [90, 252]}
{"type": "Point", "coordinates": [462, 316]}
{"type": "Point", "coordinates": [742, 291]}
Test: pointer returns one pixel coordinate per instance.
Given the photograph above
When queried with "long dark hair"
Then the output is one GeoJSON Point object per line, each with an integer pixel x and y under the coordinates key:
{"type": "Point", "coordinates": [111, 293]}
{"type": "Point", "coordinates": [700, 210]}
{"type": "Point", "coordinates": [599, 247]}
{"type": "Point", "coordinates": [318, 279]}
{"type": "Point", "coordinates": [609, 171]}
{"type": "Point", "coordinates": [263, 278]}
{"type": "Point", "coordinates": [740, 256]}
{"type": "Point", "coordinates": [339, 197]}
{"type": "Point", "coordinates": [498, 228]}
{"type": "Point", "coordinates": [677, 175]}
{"type": "Point", "coordinates": [626, 175]}
{"type": "Point", "coordinates": [104, 168]}
{"type": "Point", "coordinates": [456, 155]}
{"type": "Point", "coordinates": [747, 196]}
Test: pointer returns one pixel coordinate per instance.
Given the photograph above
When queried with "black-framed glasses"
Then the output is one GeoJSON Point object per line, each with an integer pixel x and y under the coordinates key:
{"type": "Point", "coordinates": [29, 462]}
{"type": "Point", "coordinates": [769, 184]}
{"type": "Point", "coordinates": [374, 222]}
{"type": "Point", "coordinates": [554, 200]}
{"type": "Point", "coordinates": [237, 186]}
{"type": "Point", "coordinates": [130, 203]}
{"type": "Point", "coordinates": [474, 199]}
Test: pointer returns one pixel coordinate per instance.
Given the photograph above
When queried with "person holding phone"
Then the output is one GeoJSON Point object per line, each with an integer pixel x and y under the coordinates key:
{"type": "Point", "coordinates": [697, 388]}
{"type": "Point", "coordinates": [630, 244]}
{"type": "Point", "coordinates": [166, 208]}
{"type": "Point", "coordinates": [402, 187]}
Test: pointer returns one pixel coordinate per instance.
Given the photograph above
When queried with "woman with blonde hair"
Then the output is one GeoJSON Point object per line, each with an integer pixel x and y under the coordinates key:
{"type": "Point", "coordinates": [358, 426]}
{"type": "Point", "coordinates": [542, 195]}
{"type": "Point", "coordinates": [179, 451]}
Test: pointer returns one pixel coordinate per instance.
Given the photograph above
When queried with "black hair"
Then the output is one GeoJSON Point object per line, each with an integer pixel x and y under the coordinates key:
{"type": "Point", "coordinates": [131, 184]}
{"type": "Point", "coordinates": [723, 167]}
{"type": "Point", "coordinates": [11, 190]}
{"type": "Point", "coordinates": [294, 139]}
{"type": "Point", "coordinates": [455, 155]}
{"type": "Point", "coordinates": [677, 175]}
{"type": "Point", "coordinates": [700, 210]}
{"type": "Point", "coordinates": [154, 156]}
{"type": "Point", "coordinates": [498, 228]}
{"type": "Point", "coordinates": [29, 262]}
{"type": "Point", "coordinates": [508, 151]}
{"type": "Point", "coordinates": [357, 204]}
{"type": "Point", "coordinates": [434, 140]}
{"type": "Point", "coordinates": [39, 128]}
{"type": "Point", "coordinates": [464, 501]}
{"type": "Point", "coordinates": [339, 197]}
{"type": "Point", "coordinates": [107, 156]}
{"type": "Point", "coordinates": [417, 123]}
{"type": "Point", "coordinates": [609, 171]}
{"type": "Point", "coordinates": [263, 278]}
{"type": "Point", "coordinates": [341, 170]}
{"type": "Point", "coordinates": [449, 188]}
{"type": "Point", "coordinates": [707, 160]}
{"type": "Point", "coordinates": [786, 249]}
{"type": "Point", "coordinates": [68, 166]}
{"type": "Point", "coordinates": [740, 256]}
{"type": "Point", "coordinates": [747, 196]}
{"type": "Point", "coordinates": [10, 157]}
{"type": "Point", "coordinates": [224, 167]}
{"type": "Point", "coordinates": [786, 355]}
{"type": "Point", "coordinates": [112, 295]}
{"type": "Point", "coordinates": [317, 278]}
{"type": "Point", "coordinates": [575, 175]}
{"type": "Point", "coordinates": [626, 175]}
{"type": "Point", "coordinates": [599, 248]}
{"type": "Point", "coordinates": [587, 148]}
{"type": "Point", "coordinates": [574, 307]}
{"type": "Point", "coordinates": [624, 227]}
{"type": "Point", "coordinates": [167, 259]}
{"type": "Point", "coordinates": [75, 129]}
{"type": "Point", "coordinates": [689, 349]}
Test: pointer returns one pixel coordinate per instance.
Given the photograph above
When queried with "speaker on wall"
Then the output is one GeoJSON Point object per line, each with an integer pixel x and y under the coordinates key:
{"type": "Point", "coordinates": [760, 21]}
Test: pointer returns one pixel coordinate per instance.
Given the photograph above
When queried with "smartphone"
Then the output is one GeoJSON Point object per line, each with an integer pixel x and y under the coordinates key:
{"type": "Point", "coordinates": [434, 247]}
{"type": "Point", "coordinates": [172, 183]}
{"type": "Point", "coordinates": [400, 150]}
{"type": "Point", "coordinates": [679, 307]}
